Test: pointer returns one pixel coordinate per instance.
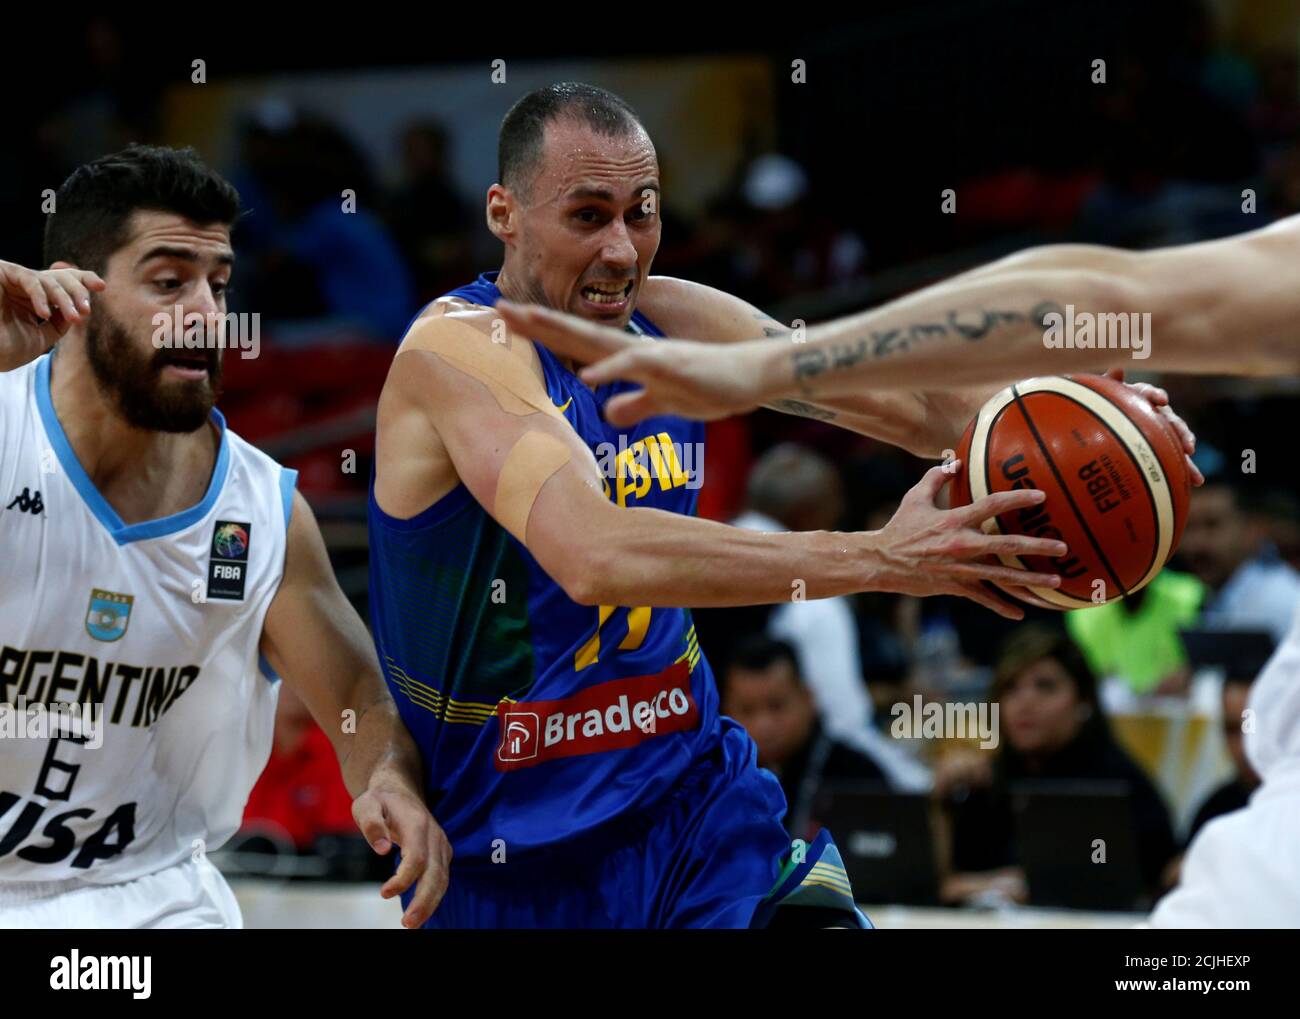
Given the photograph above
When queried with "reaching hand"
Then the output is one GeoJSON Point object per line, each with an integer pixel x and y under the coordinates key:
{"type": "Point", "coordinates": [37, 308]}
{"type": "Point", "coordinates": [1159, 399]}
{"type": "Point", "coordinates": [395, 815]}
{"type": "Point", "coordinates": [931, 551]}
{"type": "Point", "coordinates": [704, 381]}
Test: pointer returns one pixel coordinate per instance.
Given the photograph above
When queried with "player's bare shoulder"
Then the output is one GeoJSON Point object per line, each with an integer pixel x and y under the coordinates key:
{"type": "Point", "coordinates": [441, 313]}
{"type": "Point", "coordinates": [684, 308]}
{"type": "Point", "coordinates": [462, 332]}
{"type": "Point", "coordinates": [675, 305]}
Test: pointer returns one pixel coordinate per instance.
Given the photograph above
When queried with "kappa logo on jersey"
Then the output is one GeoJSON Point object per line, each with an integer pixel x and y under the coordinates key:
{"type": "Point", "coordinates": [25, 502]}
{"type": "Point", "coordinates": [608, 716]}
{"type": "Point", "coordinates": [228, 563]}
{"type": "Point", "coordinates": [108, 614]}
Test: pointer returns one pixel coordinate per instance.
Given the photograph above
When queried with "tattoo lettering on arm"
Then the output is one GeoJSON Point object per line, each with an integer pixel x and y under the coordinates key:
{"type": "Point", "coordinates": [807, 364]}
{"type": "Point", "coordinates": [971, 326]}
{"type": "Point", "coordinates": [804, 410]}
{"type": "Point", "coordinates": [836, 356]}
{"type": "Point", "coordinates": [971, 329]}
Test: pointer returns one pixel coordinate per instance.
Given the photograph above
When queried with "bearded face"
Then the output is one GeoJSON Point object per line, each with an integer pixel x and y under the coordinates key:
{"type": "Point", "coordinates": [167, 390]}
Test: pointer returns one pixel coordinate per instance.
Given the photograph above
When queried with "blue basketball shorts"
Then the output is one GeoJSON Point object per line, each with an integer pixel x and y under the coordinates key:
{"type": "Point", "coordinates": [711, 853]}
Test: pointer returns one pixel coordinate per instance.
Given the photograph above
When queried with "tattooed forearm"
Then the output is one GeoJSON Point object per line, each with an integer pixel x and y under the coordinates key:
{"type": "Point", "coordinates": [971, 326]}
{"type": "Point", "coordinates": [816, 359]}
{"type": "Point", "coordinates": [804, 410]}
{"type": "Point", "coordinates": [808, 363]}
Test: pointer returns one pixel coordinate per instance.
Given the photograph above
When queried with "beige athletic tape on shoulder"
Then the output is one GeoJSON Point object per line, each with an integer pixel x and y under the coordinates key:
{"type": "Point", "coordinates": [529, 465]}
{"type": "Point", "coordinates": [510, 381]}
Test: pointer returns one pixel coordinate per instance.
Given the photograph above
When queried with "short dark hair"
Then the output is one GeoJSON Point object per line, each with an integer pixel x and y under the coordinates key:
{"type": "Point", "coordinates": [1032, 642]}
{"type": "Point", "coordinates": [94, 205]}
{"type": "Point", "coordinates": [757, 652]}
{"type": "Point", "coordinates": [523, 131]}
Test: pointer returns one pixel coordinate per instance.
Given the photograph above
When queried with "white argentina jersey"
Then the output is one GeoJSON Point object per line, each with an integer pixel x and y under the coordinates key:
{"type": "Point", "coordinates": [156, 626]}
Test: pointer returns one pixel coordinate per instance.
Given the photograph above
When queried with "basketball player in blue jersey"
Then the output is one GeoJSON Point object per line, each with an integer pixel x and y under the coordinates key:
{"type": "Point", "coordinates": [1221, 307]}
{"type": "Point", "coordinates": [150, 559]}
{"type": "Point", "coordinates": [533, 568]}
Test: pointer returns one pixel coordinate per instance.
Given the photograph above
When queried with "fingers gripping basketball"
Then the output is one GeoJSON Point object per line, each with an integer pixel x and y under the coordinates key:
{"type": "Point", "coordinates": [1116, 481]}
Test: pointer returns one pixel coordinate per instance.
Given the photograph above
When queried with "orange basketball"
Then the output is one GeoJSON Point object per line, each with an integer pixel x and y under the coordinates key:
{"type": "Point", "coordinates": [1113, 469]}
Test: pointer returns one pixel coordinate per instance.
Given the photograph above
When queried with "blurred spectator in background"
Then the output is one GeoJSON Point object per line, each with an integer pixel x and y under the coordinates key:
{"type": "Point", "coordinates": [792, 488]}
{"type": "Point", "coordinates": [117, 106]}
{"type": "Point", "coordinates": [1136, 638]}
{"type": "Point", "coordinates": [790, 244]}
{"type": "Point", "coordinates": [1250, 586]}
{"type": "Point", "coordinates": [1052, 727]}
{"type": "Point", "coordinates": [777, 237]}
{"type": "Point", "coordinates": [324, 254]}
{"type": "Point", "coordinates": [1279, 513]}
{"type": "Point", "coordinates": [300, 796]}
{"type": "Point", "coordinates": [1233, 794]}
{"type": "Point", "coordinates": [763, 689]}
{"type": "Point", "coordinates": [430, 220]}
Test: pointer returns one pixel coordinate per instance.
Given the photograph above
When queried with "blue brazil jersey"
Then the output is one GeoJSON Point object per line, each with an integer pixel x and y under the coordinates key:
{"type": "Point", "coordinates": [540, 720]}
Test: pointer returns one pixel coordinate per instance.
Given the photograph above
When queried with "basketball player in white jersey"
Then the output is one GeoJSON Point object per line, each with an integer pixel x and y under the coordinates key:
{"type": "Point", "coordinates": [161, 572]}
{"type": "Point", "coordinates": [1227, 307]}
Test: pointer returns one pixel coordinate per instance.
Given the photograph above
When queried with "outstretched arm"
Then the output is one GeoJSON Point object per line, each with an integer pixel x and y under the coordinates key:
{"type": "Point", "coordinates": [315, 640]}
{"type": "Point", "coordinates": [1227, 307]}
{"type": "Point", "coordinates": [914, 421]}
{"type": "Point", "coordinates": [526, 466]}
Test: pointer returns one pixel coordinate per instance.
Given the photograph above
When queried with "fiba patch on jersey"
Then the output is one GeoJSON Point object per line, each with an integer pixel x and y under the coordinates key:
{"type": "Point", "coordinates": [108, 614]}
{"type": "Point", "coordinates": [228, 560]}
{"type": "Point", "coordinates": [609, 716]}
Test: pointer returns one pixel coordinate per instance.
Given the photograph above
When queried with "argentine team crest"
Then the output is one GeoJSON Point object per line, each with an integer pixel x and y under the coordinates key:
{"type": "Point", "coordinates": [108, 614]}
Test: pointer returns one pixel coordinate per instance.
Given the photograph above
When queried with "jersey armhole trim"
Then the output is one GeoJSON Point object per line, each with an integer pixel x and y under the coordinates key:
{"type": "Point", "coordinates": [264, 667]}
{"type": "Point", "coordinates": [288, 481]}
